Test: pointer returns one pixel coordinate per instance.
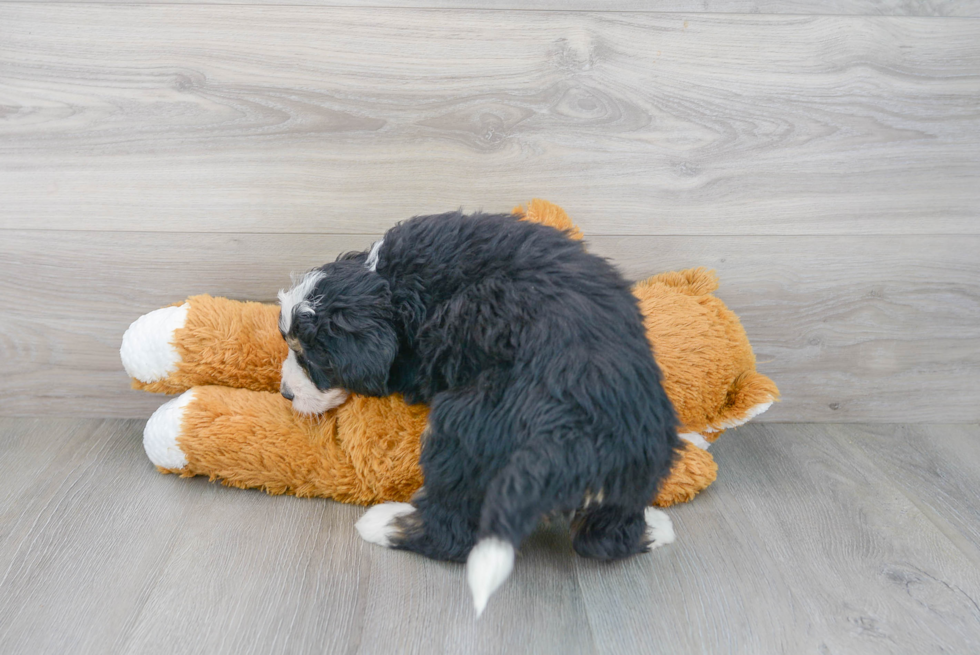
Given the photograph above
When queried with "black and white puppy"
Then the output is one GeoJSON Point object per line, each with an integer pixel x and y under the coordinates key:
{"type": "Point", "coordinates": [532, 355]}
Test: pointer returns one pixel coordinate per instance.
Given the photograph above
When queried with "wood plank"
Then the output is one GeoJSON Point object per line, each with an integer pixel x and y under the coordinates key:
{"type": "Point", "coordinates": [252, 573]}
{"type": "Point", "coordinates": [870, 328]}
{"type": "Point", "coordinates": [964, 8]}
{"type": "Point", "coordinates": [99, 538]}
{"type": "Point", "coordinates": [29, 446]}
{"type": "Point", "coordinates": [802, 545]}
{"type": "Point", "coordinates": [300, 119]}
{"type": "Point", "coordinates": [936, 466]}
{"type": "Point", "coordinates": [84, 541]}
{"type": "Point", "coordinates": [421, 606]}
{"type": "Point", "coordinates": [232, 571]}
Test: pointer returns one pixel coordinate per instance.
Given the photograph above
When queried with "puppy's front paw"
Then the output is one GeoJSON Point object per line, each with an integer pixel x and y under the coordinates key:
{"type": "Point", "coordinates": [147, 352]}
{"type": "Point", "coordinates": [377, 524]}
{"type": "Point", "coordinates": [660, 530]}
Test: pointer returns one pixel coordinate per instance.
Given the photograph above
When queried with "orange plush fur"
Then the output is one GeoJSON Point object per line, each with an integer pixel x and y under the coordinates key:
{"type": "Point", "coordinates": [239, 430]}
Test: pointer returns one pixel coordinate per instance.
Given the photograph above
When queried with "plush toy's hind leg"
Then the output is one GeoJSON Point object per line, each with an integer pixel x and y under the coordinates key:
{"type": "Point", "coordinates": [205, 341]}
{"type": "Point", "coordinates": [253, 439]}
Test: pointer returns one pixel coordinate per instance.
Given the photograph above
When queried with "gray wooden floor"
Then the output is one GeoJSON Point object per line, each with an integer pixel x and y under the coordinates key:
{"type": "Point", "coordinates": [815, 539]}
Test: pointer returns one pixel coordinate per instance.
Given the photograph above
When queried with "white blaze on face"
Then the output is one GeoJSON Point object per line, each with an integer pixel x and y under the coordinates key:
{"type": "Point", "coordinates": [298, 299]}
{"type": "Point", "coordinates": [307, 399]}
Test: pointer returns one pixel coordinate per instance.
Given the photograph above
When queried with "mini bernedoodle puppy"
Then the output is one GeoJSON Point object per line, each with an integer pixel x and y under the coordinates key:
{"type": "Point", "coordinates": [532, 355]}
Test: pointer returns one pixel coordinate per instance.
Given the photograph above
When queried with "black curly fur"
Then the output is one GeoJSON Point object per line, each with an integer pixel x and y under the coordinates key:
{"type": "Point", "coordinates": [532, 354]}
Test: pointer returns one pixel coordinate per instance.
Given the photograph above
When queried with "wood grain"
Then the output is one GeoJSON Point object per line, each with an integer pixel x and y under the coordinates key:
{"type": "Point", "coordinates": [941, 458]}
{"type": "Point", "coordinates": [965, 8]}
{"type": "Point", "coordinates": [300, 119]}
{"type": "Point", "coordinates": [875, 328]}
{"type": "Point", "coordinates": [84, 539]}
{"type": "Point", "coordinates": [802, 545]}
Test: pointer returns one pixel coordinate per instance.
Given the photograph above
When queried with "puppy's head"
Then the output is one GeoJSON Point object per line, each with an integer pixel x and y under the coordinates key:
{"type": "Point", "coordinates": [338, 323]}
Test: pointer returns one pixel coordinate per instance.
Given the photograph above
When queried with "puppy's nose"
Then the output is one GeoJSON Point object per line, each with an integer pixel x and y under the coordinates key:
{"type": "Point", "coordinates": [286, 393]}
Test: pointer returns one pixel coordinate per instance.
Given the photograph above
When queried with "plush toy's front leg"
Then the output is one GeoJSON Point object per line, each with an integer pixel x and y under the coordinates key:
{"type": "Point", "coordinates": [205, 341]}
{"type": "Point", "coordinates": [693, 472]}
{"type": "Point", "coordinates": [253, 439]}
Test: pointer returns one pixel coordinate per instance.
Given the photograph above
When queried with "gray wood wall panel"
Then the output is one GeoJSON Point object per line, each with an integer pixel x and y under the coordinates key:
{"type": "Point", "coordinates": [825, 165]}
{"type": "Point", "coordinates": [859, 329]}
{"type": "Point", "coordinates": [299, 119]}
{"type": "Point", "coordinates": [965, 8]}
{"type": "Point", "coordinates": [803, 545]}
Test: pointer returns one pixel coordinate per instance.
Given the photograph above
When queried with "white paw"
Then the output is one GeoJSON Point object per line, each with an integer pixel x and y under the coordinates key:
{"type": "Point", "coordinates": [660, 530]}
{"type": "Point", "coordinates": [376, 524]}
{"type": "Point", "coordinates": [161, 432]}
{"type": "Point", "coordinates": [487, 567]}
{"type": "Point", "coordinates": [147, 351]}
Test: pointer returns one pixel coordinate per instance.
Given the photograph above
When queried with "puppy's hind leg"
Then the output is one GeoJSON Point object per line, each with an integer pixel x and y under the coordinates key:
{"type": "Point", "coordinates": [442, 526]}
{"type": "Point", "coordinates": [442, 519]}
{"type": "Point", "coordinates": [613, 532]}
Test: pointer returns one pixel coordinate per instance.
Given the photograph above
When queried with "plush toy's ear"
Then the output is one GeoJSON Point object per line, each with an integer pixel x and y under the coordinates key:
{"type": "Point", "coordinates": [548, 213]}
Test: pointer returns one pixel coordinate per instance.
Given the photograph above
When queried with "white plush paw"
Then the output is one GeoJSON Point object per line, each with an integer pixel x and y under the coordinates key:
{"type": "Point", "coordinates": [147, 351]}
{"type": "Point", "coordinates": [376, 526]}
{"type": "Point", "coordinates": [161, 432]}
{"type": "Point", "coordinates": [660, 530]}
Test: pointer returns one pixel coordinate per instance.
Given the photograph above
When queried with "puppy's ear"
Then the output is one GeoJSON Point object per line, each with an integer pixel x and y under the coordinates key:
{"type": "Point", "coordinates": [362, 360]}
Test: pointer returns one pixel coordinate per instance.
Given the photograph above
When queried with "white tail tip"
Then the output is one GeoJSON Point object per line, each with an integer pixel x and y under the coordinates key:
{"type": "Point", "coordinates": [489, 564]}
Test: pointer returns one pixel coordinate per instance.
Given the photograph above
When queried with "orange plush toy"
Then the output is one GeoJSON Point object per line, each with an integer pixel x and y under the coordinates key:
{"type": "Point", "coordinates": [230, 423]}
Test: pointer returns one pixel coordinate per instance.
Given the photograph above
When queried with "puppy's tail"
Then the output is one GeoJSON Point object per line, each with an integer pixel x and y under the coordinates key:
{"type": "Point", "coordinates": [515, 500]}
{"type": "Point", "coordinates": [488, 566]}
